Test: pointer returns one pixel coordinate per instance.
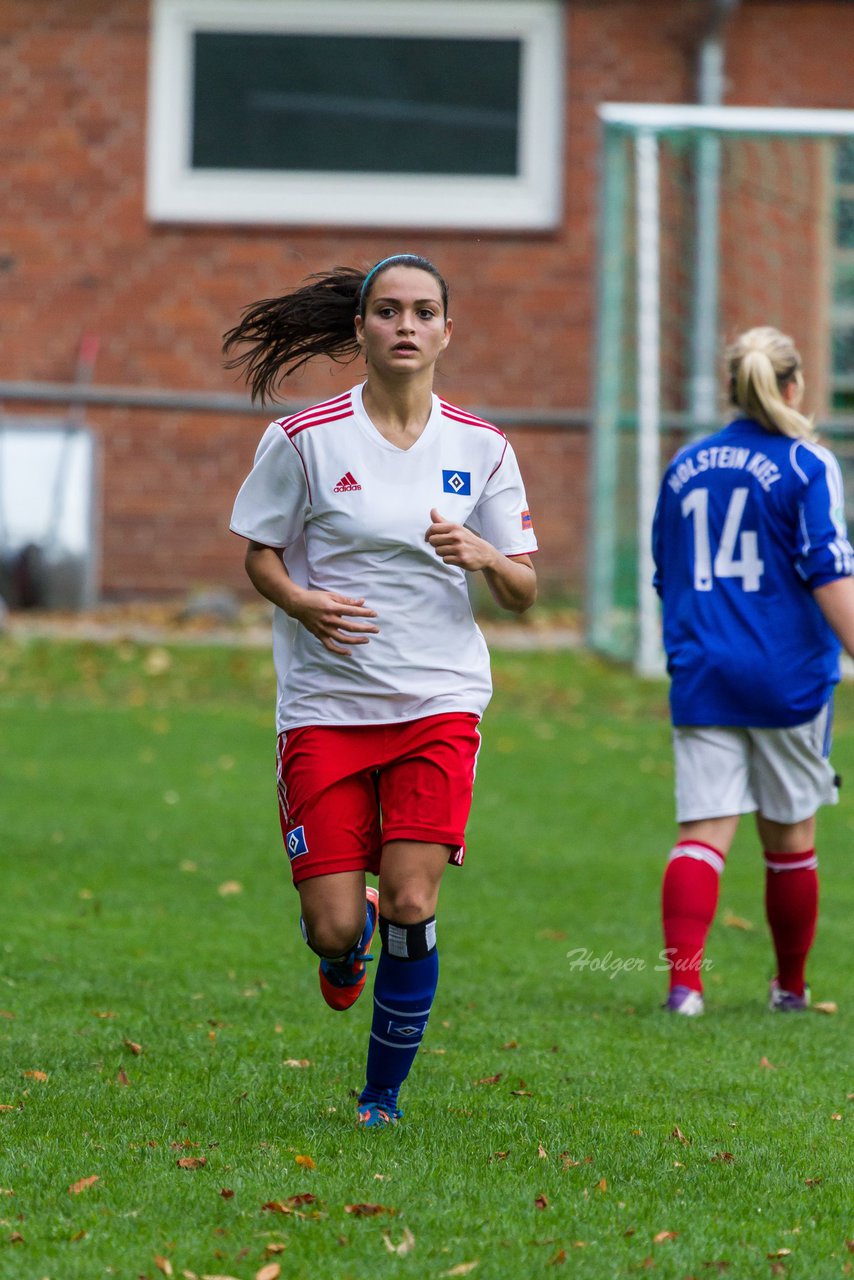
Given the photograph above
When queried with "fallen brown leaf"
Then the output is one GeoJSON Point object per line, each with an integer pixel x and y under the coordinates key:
{"type": "Point", "coordinates": [733, 921]}
{"type": "Point", "coordinates": [122, 1078]}
{"type": "Point", "coordinates": [836, 1116]}
{"type": "Point", "coordinates": [766, 1065]}
{"type": "Point", "coordinates": [814, 1182]}
{"type": "Point", "coordinates": [499, 1155]}
{"type": "Point", "coordinates": [229, 887]}
{"type": "Point", "coordinates": [191, 1162]}
{"type": "Point", "coordinates": [406, 1245]}
{"type": "Point", "coordinates": [276, 1246]}
{"type": "Point", "coordinates": [726, 1156]}
{"type": "Point", "coordinates": [826, 1006]}
{"type": "Point", "coordinates": [680, 1136]}
{"type": "Point", "coordinates": [6, 1013]}
{"type": "Point", "coordinates": [136, 1049]}
{"type": "Point", "coordinates": [461, 1269]}
{"type": "Point", "coordinates": [35, 1075]}
{"type": "Point", "coordinates": [106, 1013]}
{"type": "Point", "coordinates": [487, 1080]}
{"type": "Point", "coordinates": [163, 1264]}
{"type": "Point", "coordinates": [602, 1184]}
{"type": "Point", "coordinates": [567, 1161]}
{"type": "Point", "coordinates": [778, 1253]}
{"type": "Point", "coordinates": [542, 1202]}
{"type": "Point", "coordinates": [367, 1210]}
{"type": "Point", "coordinates": [227, 1193]}
{"type": "Point", "coordinates": [664, 1235]}
{"type": "Point", "coordinates": [304, 1197]}
{"type": "Point", "coordinates": [271, 1271]}
{"type": "Point", "coordinates": [542, 1153]}
{"type": "Point", "coordinates": [296, 1062]}
{"type": "Point", "coordinates": [82, 1184]}
{"type": "Point", "coordinates": [305, 1162]}
{"type": "Point", "coordinates": [558, 1259]}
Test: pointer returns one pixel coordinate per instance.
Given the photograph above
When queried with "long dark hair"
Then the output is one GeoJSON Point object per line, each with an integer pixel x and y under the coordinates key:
{"type": "Point", "coordinates": [280, 335]}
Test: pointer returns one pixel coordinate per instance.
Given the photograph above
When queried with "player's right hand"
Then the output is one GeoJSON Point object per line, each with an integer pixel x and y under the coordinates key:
{"type": "Point", "coordinates": [335, 620]}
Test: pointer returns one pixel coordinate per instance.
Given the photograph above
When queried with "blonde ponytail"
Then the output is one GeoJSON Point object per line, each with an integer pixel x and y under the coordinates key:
{"type": "Point", "coordinates": [761, 362]}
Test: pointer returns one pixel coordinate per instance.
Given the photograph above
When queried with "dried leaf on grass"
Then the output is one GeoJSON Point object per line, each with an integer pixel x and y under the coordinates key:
{"type": "Point", "coordinates": [778, 1253]}
{"type": "Point", "coordinates": [229, 887]}
{"type": "Point", "coordinates": [136, 1049]}
{"type": "Point", "coordinates": [725, 1156]}
{"type": "Point", "coordinates": [367, 1210]}
{"type": "Point", "coordinates": [664, 1235]}
{"type": "Point", "coordinates": [275, 1246]}
{"type": "Point", "coordinates": [406, 1245]}
{"type": "Point", "coordinates": [82, 1184]}
{"type": "Point", "coordinates": [122, 1077]}
{"type": "Point", "coordinates": [826, 1006]}
{"type": "Point", "coordinates": [305, 1162]}
{"type": "Point", "coordinates": [163, 1264]}
{"type": "Point", "coordinates": [227, 1193]}
{"type": "Point", "coordinates": [766, 1065]}
{"type": "Point", "coordinates": [191, 1162]}
{"type": "Point", "coordinates": [296, 1062]}
{"type": "Point", "coordinates": [488, 1080]}
{"type": "Point", "coordinates": [541, 1202]}
{"type": "Point", "coordinates": [680, 1136]}
{"type": "Point", "coordinates": [271, 1271]}
{"type": "Point", "coordinates": [35, 1075]}
{"type": "Point", "coordinates": [461, 1269]}
{"type": "Point", "coordinates": [733, 921]}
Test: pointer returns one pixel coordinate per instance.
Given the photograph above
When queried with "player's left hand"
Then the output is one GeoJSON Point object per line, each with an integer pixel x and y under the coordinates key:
{"type": "Point", "coordinates": [455, 544]}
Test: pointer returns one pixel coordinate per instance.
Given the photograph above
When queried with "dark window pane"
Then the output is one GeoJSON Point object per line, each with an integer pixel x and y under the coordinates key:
{"type": "Point", "coordinates": [845, 224]}
{"type": "Point", "coordinates": [843, 351]}
{"type": "Point", "coordinates": [845, 160]}
{"type": "Point", "coordinates": [843, 285]}
{"type": "Point", "coordinates": [356, 104]}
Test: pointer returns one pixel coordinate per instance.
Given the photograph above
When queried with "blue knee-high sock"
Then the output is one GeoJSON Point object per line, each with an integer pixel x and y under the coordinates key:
{"type": "Point", "coordinates": [404, 987]}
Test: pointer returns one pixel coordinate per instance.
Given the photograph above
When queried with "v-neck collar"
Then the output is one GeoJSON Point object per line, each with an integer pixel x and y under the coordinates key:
{"type": "Point", "coordinates": [368, 429]}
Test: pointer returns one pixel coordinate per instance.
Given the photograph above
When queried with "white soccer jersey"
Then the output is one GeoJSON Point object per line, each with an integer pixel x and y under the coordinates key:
{"type": "Point", "coordinates": [350, 511]}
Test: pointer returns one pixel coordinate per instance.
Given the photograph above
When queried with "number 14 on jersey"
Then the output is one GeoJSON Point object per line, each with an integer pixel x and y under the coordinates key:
{"type": "Point", "coordinates": [738, 552]}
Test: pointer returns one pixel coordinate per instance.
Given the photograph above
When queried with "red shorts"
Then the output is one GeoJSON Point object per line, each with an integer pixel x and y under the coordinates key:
{"type": "Point", "coordinates": [344, 792]}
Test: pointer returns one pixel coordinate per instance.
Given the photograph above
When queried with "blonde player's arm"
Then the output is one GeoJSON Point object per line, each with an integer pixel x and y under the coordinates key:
{"type": "Point", "coordinates": [333, 618]}
{"type": "Point", "coordinates": [836, 601]}
{"type": "Point", "coordinates": [513, 582]}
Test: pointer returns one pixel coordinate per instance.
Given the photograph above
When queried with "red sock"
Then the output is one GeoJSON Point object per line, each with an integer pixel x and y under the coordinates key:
{"type": "Point", "coordinates": [689, 899]}
{"type": "Point", "coordinates": [791, 905]}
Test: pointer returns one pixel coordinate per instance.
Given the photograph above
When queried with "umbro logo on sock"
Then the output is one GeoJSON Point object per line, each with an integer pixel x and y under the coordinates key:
{"type": "Point", "coordinates": [347, 484]}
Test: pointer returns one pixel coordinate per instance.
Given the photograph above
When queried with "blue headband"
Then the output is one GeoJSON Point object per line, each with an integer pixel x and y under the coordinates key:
{"type": "Point", "coordinates": [395, 257]}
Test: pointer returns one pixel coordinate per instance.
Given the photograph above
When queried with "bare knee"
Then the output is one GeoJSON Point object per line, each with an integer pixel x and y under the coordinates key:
{"type": "Point", "coordinates": [408, 903]}
{"type": "Point", "coordinates": [336, 936]}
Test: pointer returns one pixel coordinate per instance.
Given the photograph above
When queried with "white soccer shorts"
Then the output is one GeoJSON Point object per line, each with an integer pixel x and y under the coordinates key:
{"type": "Point", "coordinates": [783, 773]}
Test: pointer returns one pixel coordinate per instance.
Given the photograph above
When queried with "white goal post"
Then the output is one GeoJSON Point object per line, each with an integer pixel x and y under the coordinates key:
{"type": "Point", "coordinates": [712, 220]}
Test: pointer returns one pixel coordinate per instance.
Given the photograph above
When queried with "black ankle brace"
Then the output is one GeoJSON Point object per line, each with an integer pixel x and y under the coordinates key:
{"type": "Point", "coordinates": [408, 941]}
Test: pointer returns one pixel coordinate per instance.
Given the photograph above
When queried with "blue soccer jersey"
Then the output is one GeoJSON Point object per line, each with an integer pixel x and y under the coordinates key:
{"type": "Point", "coordinates": [748, 524]}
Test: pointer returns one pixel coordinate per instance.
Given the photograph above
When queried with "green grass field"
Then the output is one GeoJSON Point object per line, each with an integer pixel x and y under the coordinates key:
{"type": "Point", "coordinates": [159, 1006]}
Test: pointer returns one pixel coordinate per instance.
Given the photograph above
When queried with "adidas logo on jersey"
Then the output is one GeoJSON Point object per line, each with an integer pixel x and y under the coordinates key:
{"type": "Point", "coordinates": [347, 484]}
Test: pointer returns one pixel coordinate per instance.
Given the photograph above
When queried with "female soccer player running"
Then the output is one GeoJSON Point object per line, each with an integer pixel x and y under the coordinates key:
{"type": "Point", "coordinates": [753, 566]}
{"type": "Point", "coordinates": [364, 514]}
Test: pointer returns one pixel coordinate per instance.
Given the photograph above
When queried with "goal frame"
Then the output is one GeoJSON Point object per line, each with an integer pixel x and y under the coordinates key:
{"type": "Point", "coordinates": [645, 123]}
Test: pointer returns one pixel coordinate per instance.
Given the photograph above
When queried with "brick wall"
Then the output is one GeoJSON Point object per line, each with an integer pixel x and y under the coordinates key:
{"type": "Point", "coordinates": [77, 256]}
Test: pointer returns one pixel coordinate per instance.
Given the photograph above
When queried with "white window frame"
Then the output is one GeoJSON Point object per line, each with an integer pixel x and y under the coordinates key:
{"type": "Point", "coordinates": [532, 199]}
